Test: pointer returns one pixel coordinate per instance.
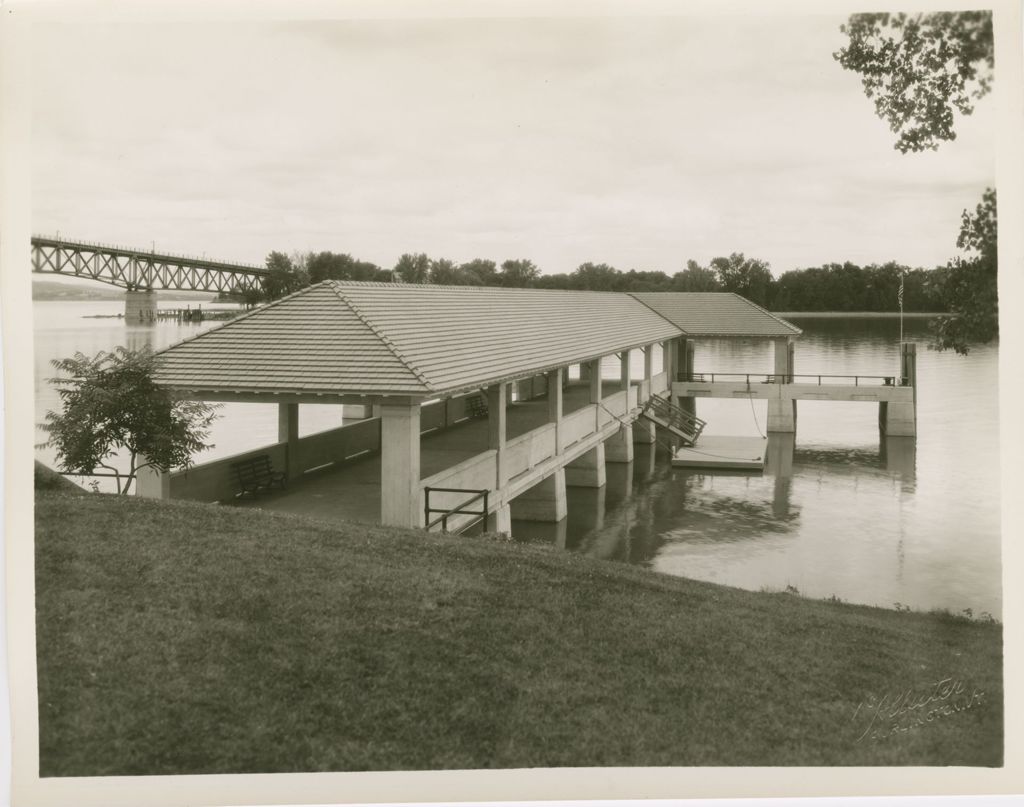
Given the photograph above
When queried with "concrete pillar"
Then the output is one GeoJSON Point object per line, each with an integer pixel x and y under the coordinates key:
{"type": "Point", "coordinates": [497, 428]}
{"type": "Point", "coordinates": [555, 406]}
{"type": "Point", "coordinates": [587, 470]}
{"type": "Point", "coordinates": [151, 482]}
{"type": "Point", "coordinates": [908, 368]}
{"type": "Point", "coordinates": [400, 504]}
{"type": "Point", "coordinates": [140, 307]}
{"type": "Point", "coordinates": [782, 410]}
{"type": "Point", "coordinates": [594, 376]}
{"type": "Point", "coordinates": [288, 432]}
{"type": "Point", "coordinates": [644, 432]}
{"type": "Point", "coordinates": [619, 447]}
{"type": "Point", "coordinates": [545, 501]}
{"type": "Point", "coordinates": [683, 369]}
{"type": "Point", "coordinates": [501, 520]}
{"type": "Point", "coordinates": [624, 370]}
{"type": "Point", "coordinates": [896, 419]}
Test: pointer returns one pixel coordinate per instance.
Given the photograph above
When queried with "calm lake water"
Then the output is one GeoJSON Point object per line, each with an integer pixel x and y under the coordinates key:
{"type": "Point", "coordinates": [838, 512]}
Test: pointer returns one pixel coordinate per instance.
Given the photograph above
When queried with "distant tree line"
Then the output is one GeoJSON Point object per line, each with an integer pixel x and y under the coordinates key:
{"type": "Point", "coordinates": [831, 287]}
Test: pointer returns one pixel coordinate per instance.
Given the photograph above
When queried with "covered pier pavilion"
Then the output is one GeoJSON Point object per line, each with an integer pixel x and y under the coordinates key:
{"type": "Point", "coordinates": [716, 315]}
{"type": "Point", "coordinates": [462, 390]}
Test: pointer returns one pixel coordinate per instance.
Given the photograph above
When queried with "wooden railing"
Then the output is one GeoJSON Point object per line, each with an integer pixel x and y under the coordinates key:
{"type": "Point", "coordinates": [687, 425]}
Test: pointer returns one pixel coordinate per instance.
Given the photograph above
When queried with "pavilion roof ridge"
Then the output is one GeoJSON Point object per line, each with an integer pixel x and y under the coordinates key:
{"type": "Point", "coordinates": [659, 313]}
{"type": "Point", "coordinates": [380, 334]}
{"type": "Point", "coordinates": [769, 313]}
{"type": "Point", "coordinates": [220, 326]}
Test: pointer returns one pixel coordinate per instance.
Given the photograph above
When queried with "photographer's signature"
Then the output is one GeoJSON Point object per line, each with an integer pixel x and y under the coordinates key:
{"type": "Point", "coordinates": [896, 713]}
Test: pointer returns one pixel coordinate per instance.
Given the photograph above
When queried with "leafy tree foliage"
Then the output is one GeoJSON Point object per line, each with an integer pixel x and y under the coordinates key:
{"type": "Point", "coordinates": [283, 277]}
{"type": "Point", "coordinates": [518, 273]}
{"type": "Point", "coordinates": [596, 277]}
{"type": "Point", "coordinates": [919, 68]}
{"type": "Point", "coordinates": [341, 266]}
{"type": "Point", "coordinates": [696, 278]}
{"type": "Point", "coordinates": [748, 277]}
{"type": "Point", "coordinates": [413, 268]}
{"type": "Point", "coordinates": [969, 286]}
{"type": "Point", "coordinates": [479, 272]}
{"type": "Point", "coordinates": [110, 403]}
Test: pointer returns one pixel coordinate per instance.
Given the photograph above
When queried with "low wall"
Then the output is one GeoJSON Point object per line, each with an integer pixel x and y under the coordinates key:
{"type": "Point", "coordinates": [214, 481]}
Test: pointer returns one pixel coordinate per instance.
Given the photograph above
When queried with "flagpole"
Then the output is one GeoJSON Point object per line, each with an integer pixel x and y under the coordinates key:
{"type": "Point", "coordinates": [900, 298]}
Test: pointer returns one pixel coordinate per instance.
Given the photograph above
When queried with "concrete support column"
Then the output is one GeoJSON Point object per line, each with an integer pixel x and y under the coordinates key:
{"type": "Point", "coordinates": [545, 501]}
{"type": "Point", "coordinates": [908, 368]}
{"type": "Point", "coordinates": [896, 419]}
{"type": "Point", "coordinates": [594, 375]}
{"type": "Point", "coordinates": [648, 364]}
{"type": "Point", "coordinates": [375, 410]}
{"type": "Point", "coordinates": [502, 520]}
{"type": "Point", "coordinates": [619, 447]}
{"type": "Point", "coordinates": [139, 307]}
{"type": "Point", "coordinates": [683, 355]}
{"type": "Point", "coordinates": [400, 504]}
{"type": "Point", "coordinates": [555, 407]}
{"type": "Point", "coordinates": [587, 470]}
{"type": "Point", "coordinates": [781, 409]}
{"type": "Point", "coordinates": [288, 432]}
{"type": "Point", "coordinates": [644, 432]}
{"type": "Point", "coordinates": [151, 482]}
{"type": "Point", "coordinates": [624, 369]}
{"type": "Point", "coordinates": [497, 428]}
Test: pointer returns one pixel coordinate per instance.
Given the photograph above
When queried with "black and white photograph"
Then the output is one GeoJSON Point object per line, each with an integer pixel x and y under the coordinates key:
{"type": "Point", "coordinates": [514, 389]}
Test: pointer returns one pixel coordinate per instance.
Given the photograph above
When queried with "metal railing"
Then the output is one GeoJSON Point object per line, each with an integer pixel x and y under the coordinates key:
{"type": "Point", "coordinates": [798, 378]}
{"type": "Point", "coordinates": [459, 509]}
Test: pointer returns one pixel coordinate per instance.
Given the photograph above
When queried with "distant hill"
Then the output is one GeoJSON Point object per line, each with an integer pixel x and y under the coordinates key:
{"type": "Point", "coordinates": [52, 290]}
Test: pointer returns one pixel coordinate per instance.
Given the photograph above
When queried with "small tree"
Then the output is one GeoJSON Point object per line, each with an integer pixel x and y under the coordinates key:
{"type": "Point", "coordinates": [111, 403]}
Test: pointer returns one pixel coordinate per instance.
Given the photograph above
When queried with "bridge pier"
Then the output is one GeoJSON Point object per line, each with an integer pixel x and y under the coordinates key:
{"type": "Point", "coordinates": [782, 410]}
{"type": "Point", "coordinates": [545, 501]}
{"type": "Point", "coordinates": [140, 306]}
{"type": "Point", "coordinates": [899, 419]}
{"type": "Point", "coordinates": [587, 470]}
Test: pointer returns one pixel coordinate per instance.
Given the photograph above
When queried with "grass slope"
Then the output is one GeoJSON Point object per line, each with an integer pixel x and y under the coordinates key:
{"type": "Point", "coordinates": [186, 638]}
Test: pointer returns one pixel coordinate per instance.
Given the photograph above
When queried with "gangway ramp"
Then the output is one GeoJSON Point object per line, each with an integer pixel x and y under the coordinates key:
{"type": "Point", "coordinates": [684, 425]}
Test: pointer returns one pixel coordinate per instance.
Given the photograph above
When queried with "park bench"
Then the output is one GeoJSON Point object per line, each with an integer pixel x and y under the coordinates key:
{"type": "Point", "coordinates": [476, 405]}
{"type": "Point", "coordinates": [256, 475]}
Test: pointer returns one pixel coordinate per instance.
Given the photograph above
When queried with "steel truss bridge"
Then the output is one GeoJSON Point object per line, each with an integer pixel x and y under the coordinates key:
{"type": "Point", "coordinates": [137, 270]}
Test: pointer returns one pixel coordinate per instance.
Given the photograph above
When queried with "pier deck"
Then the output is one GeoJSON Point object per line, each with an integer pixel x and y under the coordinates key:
{"type": "Point", "coordinates": [351, 491]}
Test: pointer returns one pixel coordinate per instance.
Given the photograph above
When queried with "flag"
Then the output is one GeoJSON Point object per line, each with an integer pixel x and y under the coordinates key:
{"type": "Point", "coordinates": [899, 295]}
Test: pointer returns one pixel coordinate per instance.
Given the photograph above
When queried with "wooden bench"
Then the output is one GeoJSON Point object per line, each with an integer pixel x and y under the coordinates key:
{"type": "Point", "coordinates": [256, 475]}
{"type": "Point", "coordinates": [476, 405]}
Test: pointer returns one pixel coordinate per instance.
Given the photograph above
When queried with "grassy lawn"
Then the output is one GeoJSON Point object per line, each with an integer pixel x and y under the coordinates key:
{"type": "Point", "coordinates": [187, 638]}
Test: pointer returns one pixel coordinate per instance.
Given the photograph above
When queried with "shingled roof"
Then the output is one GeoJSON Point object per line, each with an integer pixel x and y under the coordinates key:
{"type": "Point", "coordinates": [407, 339]}
{"type": "Point", "coordinates": [715, 313]}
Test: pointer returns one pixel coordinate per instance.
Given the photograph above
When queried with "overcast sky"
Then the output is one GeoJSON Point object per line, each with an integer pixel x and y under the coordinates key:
{"type": "Point", "coordinates": [641, 143]}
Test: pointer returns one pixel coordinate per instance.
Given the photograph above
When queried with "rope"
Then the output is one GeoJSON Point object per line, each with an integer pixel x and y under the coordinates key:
{"type": "Point", "coordinates": [754, 413]}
